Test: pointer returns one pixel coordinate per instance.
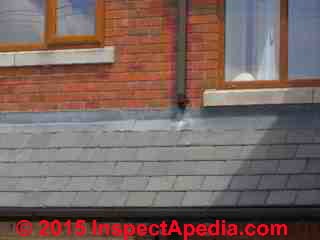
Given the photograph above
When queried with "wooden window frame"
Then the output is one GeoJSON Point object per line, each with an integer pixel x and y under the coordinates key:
{"type": "Point", "coordinates": [284, 81]}
{"type": "Point", "coordinates": [50, 39]}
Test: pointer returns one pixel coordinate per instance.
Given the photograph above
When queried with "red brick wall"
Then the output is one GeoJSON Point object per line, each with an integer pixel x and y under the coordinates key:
{"type": "Point", "coordinates": [143, 76]}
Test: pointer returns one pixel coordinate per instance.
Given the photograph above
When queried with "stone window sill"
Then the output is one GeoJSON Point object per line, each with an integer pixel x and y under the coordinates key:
{"type": "Point", "coordinates": [58, 57]}
{"type": "Point", "coordinates": [261, 96]}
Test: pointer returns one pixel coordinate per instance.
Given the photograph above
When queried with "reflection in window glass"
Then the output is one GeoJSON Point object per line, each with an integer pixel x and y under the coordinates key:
{"type": "Point", "coordinates": [21, 21]}
{"type": "Point", "coordinates": [76, 17]}
{"type": "Point", "coordinates": [252, 40]}
{"type": "Point", "coordinates": [304, 39]}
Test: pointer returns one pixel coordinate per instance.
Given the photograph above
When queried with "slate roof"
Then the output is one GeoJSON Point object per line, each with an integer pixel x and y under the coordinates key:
{"type": "Point", "coordinates": [160, 163]}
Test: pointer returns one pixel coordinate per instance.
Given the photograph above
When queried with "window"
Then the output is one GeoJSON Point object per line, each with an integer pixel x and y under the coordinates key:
{"type": "Point", "coordinates": [46, 24]}
{"type": "Point", "coordinates": [270, 43]}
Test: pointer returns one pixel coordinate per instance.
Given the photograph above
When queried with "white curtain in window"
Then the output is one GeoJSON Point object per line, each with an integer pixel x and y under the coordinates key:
{"type": "Point", "coordinates": [252, 40]}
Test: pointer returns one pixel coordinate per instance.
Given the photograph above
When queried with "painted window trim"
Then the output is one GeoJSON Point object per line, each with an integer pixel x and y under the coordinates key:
{"type": "Point", "coordinates": [52, 41]}
{"type": "Point", "coordinates": [221, 84]}
{"type": "Point", "coordinates": [58, 57]}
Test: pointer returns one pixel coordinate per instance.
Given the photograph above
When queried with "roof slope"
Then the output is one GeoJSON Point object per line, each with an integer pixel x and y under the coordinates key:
{"type": "Point", "coordinates": [159, 163]}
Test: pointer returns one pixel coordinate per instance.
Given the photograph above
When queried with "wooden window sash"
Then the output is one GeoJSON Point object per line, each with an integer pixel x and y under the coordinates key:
{"type": "Point", "coordinates": [52, 41]}
{"type": "Point", "coordinates": [283, 82]}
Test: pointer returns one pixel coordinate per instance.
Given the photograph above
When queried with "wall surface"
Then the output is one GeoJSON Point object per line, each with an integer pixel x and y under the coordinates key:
{"type": "Point", "coordinates": [143, 75]}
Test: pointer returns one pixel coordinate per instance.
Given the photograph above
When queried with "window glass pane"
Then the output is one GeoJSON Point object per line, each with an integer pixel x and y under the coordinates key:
{"type": "Point", "coordinates": [252, 40]}
{"type": "Point", "coordinates": [21, 21]}
{"type": "Point", "coordinates": [76, 17]}
{"type": "Point", "coordinates": [304, 39]}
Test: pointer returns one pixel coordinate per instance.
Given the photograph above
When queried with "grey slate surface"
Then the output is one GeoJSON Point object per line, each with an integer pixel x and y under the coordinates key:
{"type": "Point", "coordinates": [217, 161]}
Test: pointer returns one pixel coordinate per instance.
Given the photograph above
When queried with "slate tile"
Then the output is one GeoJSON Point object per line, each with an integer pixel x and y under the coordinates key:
{"type": "Point", "coordinates": [227, 137]}
{"type": "Point", "coordinates": [273, 182]}
{"type": "Point", "coordinates": [264, 167]}
{"type": "Point", "coordinates": [228, 152]}
{"type": "Point", "coordinates": [304, 182]}
{"type": "Point", "coordinates": [224, 199]}
{"type": "Point", "coordinates": [153, 125]}
{"type": "Point", "coordinates": [254, 198]}
{"type": "Point", "coordinates": [126, 169]}
{"type": "Point", "coordinates": [264, 137]}
{"type": "Point", "coordinates": [112, 199]}
{"type": "Point", "coordinates": [30, 184]}
{"type": "Point", "coordinates": [55, 184]}
{"type": "Point", "coordinates": [39, 140]}
{"type": "Point", "coordinates": [164, 183]}
{"type": "Point", "coordinates": [254, 152]}
{"type": "Point", "coordinates": [214, 183]}
{"type": "Point", "coordinates": [86, 199]}
{"type": "Point", "coordinates": [34, 199]}
{"type": "Point", "coordinates": [199, 153]}
{"type": "Point", "coordinates": [154, 169]}
{"type": "Point", "coordinates": [134, 183]}
{"type": "Point", "coordinates": [68, 154]}
{"type": "Point", "coordinates": [108, 183]}
{"type": "Point", "coordinates": [196, 199]}
{"type": "Point", "coordinates": [8, 184]}
{"type": "Point", "coordinates": [70, 139]}
{"type": "Point", "coordinates": [308, 151]}
{"type": "Point", "coordinates": [308, 197]}
{"type": "Point", "coordinates": [188, 183]}
{"type": "Point", "coordinates": [26, 170]}
{"type": "Point", "coordinates": [182, 168]}
{"type": "Point", "coordinates": [188, 138]}
{"type": "Point", "coordinates": [168, 199]}
{"type": "Point", "coordinates": [244, 182]}
{"type": "Point", "coordinates": [301, 136]}
{"type": "Point", "coordinates": [207, 168]}
{"type": "Point", "coordinates": [60, 199]}
{"type": "Point", "coordinates": [120, 154]}
{"type": "Point", "coordinates": [13, 140]}
{"type": "Point", "coordinates": [109, 139]}
{"type": "Point", "coordinates": [137, 139]}
{"type": "Point", "coordinates": [282, 152]}
{"type": "Point", "coordinates": [313, 166]}
{"type": "Point", "coordinates": [10, 199]}
{"type": "Point", "coordinates": [161, 154]}
{"type": "Point", "coordinates": [42, 155]}
{"type": "Point", "coordinates": [4, 156]}
{"type": "Point", "coordinates": [140, 199]}
{"type": "Point", "coordinates": [87, 154]}
{"type": "Point", "coordinates": [291, 166]}
{"type": "Point", "coordinates": [80, 184]}
{"type": "Point", "coordinates": [281, 198]}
